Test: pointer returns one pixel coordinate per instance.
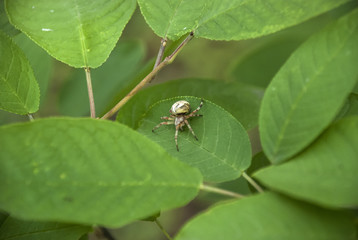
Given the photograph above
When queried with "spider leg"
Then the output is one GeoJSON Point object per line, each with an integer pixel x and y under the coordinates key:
{"type": "Point", "coordinates": [176, 136]}
{"type": "Point", "coordinates": [162, 123]}
{"type": "Point", "coordinates": [191, 130]}
{"type": "Point", "coordinates": [194, 115]}
{"type": "Point", "coordinates": [197, 109]}
{"type": "Point", "coordinates": [167, 118]}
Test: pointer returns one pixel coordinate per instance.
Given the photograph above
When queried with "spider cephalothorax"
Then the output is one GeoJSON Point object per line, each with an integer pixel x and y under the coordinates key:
{"type": "Point", "coordinates": [180, 113]}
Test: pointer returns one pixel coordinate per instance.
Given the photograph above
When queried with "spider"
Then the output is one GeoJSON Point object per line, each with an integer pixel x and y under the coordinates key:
{"type": "Point", "coordinates": [180, 113]}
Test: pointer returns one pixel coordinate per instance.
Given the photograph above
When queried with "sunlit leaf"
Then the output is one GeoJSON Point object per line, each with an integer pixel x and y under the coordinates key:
{"type": "Point", "coordinates": [309, 90]}
{"type": "Point", "coordinates": [19, 92]}
{"type": "Point", "coordinates": [223, 150]}
{"type": "Point", "coordinates": [268, 217]}
{"type": "Point", "coordinates": [325, 173]}
{"type": "Point", "coordinates": [229, 19]}
{"type": "Point", "coordinates": [77, 32]}
{"type": "Point", "coordinates": [75, 170]}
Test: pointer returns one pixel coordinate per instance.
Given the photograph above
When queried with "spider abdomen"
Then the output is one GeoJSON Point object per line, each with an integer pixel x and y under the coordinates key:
{"type": "Point", "coordinates": [180, 107]}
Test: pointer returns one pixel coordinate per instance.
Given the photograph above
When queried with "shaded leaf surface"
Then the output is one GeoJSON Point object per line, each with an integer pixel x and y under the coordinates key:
{"type": "Point", "coordinates": [223, 150]}
{"type": "Point", "coordinates": [75, 170]}
{"type": "Point", "coordinates": [308, 91]}
{"type": "Point", "coordinates": [325, 173]}
{"type": "Point", "coordinates": [77, 32]}
{"type": "Point", "coordinates": [240, 100]}
{"type": "Point", "coordinates": [39, 60]}
{"type": "Point", "coordinates": [107, 81]}
{"type": "Point", "coordinates": [5, 26]}
{"type": "Point", "coordinates": [268, 217]}
{"type": "Point", "coordinates": [15, 229]}
{"type": "Point", "coordinates": [19, 92]}
{"type": "Point", "coordinates": [228, 19]}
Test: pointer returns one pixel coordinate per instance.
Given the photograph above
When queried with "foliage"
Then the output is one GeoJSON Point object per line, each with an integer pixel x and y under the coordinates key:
{"type": "Point", "coordinates": [293, 92]}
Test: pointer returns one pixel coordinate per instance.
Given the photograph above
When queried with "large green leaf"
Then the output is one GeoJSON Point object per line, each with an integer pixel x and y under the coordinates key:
{"type": "Point", "coordinates": [115, 74]}
{"type": "Point", "coordinates": [325, 173]}
{"type": "Point", "coordinates": [19, 92]}
{"type": "Point", "coordinates": [88, 171]}
{"type": "Point", "coordinates": [240, 100]}
{"type": "Point", "coordinates": [229, 19]}
{"type": "Point", "coordinates": [308, 91]}
{"type": "Point", "coordinates": [268, 217]}
{"type": "Point", "coordinates": [12, 228]}
{"type": "Point", "coordinates": [223, 150]}
{"type": "Point", "coordinates": [78, 32]}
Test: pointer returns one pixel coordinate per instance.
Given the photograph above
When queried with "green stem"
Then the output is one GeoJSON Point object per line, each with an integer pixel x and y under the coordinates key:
{"type": "Point", "coordinates": [90, 92]}
{"type": "Point", "coordinates": [252, 182]}
{"type": "Point", "coordinates": [31, 117]}
{"type": "Point", "coordinates": [220, 191]}
{"type": "Point", "coordinates": [162, 229]}
{"type": "Point", "coordinates": [148, 78]}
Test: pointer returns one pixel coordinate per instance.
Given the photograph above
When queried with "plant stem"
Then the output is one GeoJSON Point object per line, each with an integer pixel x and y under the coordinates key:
{"type": "Point", "coordinates": [148, 78]}
{"type": "Point", "coordinates": [31, 117]}
{"type": "Point", "coordinates": [163, 44]}
{"type": "Point", "coordinates": [106, 233]}
{"type": "Point", "coordinates": [252, 182]}
{"type": "Point", "coordinates": [90, 92]}
{"type": "Point", "coordinates": [163, 230]}
{"type": "Point", "coordinates": [220, 191]}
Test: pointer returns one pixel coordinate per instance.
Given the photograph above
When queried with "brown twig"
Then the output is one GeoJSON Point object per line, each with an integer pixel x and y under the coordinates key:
{"type": "Point", "coordinates": [168, 60]}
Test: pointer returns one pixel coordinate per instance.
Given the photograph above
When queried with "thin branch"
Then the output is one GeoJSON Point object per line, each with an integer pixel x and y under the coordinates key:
{"type": "Point", "coordinates": [90, 92]}
{"type": "Point", "coordinates": [252, 182]}
{"type": "Point", "coordinates": [148, 78]}
{"type": "Point", "coordinates": [220, 191]}
{"type": "Point", "coordinates": [163, 44]}
{"type": "Point", "coordinates": [163, 230]}
{"type": "Point", "coordinates": [31, 117]}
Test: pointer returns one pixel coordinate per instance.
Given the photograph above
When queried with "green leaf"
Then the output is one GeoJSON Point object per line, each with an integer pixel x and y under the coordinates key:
{"type": "Point", "coordinates": [227, 19]}
{"type": "Point", "coordinates": [115, 74]}
{"type": "Point", "coordinates": [40, 61]}
{"type": "Point", "coordinates": [5, 26]}
{"type": "Point", "coordinates": [223, 150]}
{"type": "Point", "coordinates": [19, 92]}
{"type": "Point", "coordinates": [240, 100]}
{"type": "Point", "coordinates": [325, 173]}
{"type": "Point", "coordinates": [79, 33]}
{"type": "Point", "coordinates": [17, 229]}
{"type": "Point", "coordinates": [308, 91]}
{"type": "Point", "coordinates": [268, 216]}
{"type": "Point", "coordinates": [88, 171]}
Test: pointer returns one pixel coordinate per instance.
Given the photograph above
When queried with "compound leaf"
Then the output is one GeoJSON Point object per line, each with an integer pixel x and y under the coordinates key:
{"type": "Point", "coordinates": [228, 19]}
{"type": "Point", "coordinates": [268, 217]}
{"type": "Point", "coordinates": [12, 228]}
{"type": "Point", "coordinates": [77, 32]}
{"type": "Point", "coordinates": [19, 92]}
{"type": "Point", "coordinates": [325, 173]}
{"type": "Point", "coordinates": [308, 91]}
{"type": "Point", "coordinates": [223, 150]}
{"type": "Point", "coordinates": [75, 170]}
